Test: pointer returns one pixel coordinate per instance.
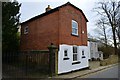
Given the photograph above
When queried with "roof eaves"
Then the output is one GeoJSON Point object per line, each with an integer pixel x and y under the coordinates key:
{"type": "Point", "coordinates": [68, 3]}
{"type": "Point", "coordinates": [79, 10]}
{"type": "Point", "coordinates": [41, 15]}
{"type": "Point", "coordinates": [53, 10]}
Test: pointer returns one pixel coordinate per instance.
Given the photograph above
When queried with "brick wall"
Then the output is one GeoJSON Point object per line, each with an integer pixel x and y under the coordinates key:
{"type": "Point", "coordinates": [54, 28]}
{"type": "Point", "coordinates": [67, 14]}
{"type": "Point", "coordinates": [42, 32]}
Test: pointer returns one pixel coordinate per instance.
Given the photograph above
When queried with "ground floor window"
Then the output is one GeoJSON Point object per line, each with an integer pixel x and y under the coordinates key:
{"type": "Point", "coordinates": [75, 53]}
{"type": "Point", "coordinates": [65, 53]}
{"type": "Point", "coordinates": [83, 54]}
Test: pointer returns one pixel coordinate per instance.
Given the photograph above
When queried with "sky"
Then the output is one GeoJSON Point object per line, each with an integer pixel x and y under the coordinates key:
{"type": "Point", "coordinates": [31, 8]}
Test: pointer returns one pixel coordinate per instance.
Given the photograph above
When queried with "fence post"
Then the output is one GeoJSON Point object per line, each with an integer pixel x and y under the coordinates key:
{"type": "Point", "coordinates": [52, 50]}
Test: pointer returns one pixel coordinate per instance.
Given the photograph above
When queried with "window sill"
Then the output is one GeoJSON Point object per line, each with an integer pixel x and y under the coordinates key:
{"type": "Point", "coordinates": [76, 62]}
{"type": "Point", "coordinates": [83, 57]}
{"type": "Point", "coordinates": [75, 35]}
{"type": "Point", "coordinates": [65, 58]}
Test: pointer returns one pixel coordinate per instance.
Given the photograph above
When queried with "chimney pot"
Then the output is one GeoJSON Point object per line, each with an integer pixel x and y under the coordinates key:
{"type": "Point", "coordinates": [48, 8]}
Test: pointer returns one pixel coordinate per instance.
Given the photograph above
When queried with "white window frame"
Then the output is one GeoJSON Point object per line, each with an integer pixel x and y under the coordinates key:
{"type": "Point", "coordinates": [26, 30]}
{"type": "Point", "coordinates": [75, 53]}
{"type": "Point", "coordinates": [74, 27]}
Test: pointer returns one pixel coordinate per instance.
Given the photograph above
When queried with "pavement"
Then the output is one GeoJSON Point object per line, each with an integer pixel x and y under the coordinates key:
{"type": "Point", "coordinates": [112, 72]}
{"type": "Point", "coordinates": [94, 67]}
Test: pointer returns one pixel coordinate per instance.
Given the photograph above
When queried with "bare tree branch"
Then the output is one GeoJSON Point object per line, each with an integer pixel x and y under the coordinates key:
{"type": "Point", "coordinates": [110, 10]}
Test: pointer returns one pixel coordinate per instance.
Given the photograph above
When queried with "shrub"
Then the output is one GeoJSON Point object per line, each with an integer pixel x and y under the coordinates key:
{"type": "Point", "coordinates": [107, 51]}
{"type": "Point", "coordinates": [111, 60]}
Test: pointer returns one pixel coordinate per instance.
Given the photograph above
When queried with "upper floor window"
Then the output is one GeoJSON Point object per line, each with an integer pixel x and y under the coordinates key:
{"type": "Point", "coordinates": [25, 29]}
{"type": "Point", "coordinates": [74, 27]}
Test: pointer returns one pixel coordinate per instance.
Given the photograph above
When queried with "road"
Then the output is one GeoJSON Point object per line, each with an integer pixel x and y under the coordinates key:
{"type": "Point", "coordinates": [106, 73]}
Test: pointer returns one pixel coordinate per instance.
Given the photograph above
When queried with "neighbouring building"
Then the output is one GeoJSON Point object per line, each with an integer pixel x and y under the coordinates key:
{"type": "Point", "coordinates": [64, 26]}
{"type": "Point", "coordinates": [94, 54]}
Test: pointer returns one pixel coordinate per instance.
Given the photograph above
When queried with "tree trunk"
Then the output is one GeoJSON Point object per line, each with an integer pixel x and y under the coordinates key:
{"type": "Point", "coordinates": [114, 39]}
{"type": "Point", "coordinates": [105, 36]}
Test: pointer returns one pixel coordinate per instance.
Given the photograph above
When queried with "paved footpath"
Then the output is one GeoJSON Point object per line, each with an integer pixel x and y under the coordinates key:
{"type": "Point", "coordinates": [94, 67]}
{"type": "Point", "coordinates": [111, 72]}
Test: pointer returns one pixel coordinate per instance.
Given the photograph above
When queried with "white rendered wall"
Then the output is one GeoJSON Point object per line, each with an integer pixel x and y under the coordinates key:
{"type": "Point", "coordinates": [93, 50]}
{"type": "Point", "coordinates": [66, 65]}
{"type": "Point", "coordinates": [84, 61]}
{"type": "Point", "coordinates": [89, 56]}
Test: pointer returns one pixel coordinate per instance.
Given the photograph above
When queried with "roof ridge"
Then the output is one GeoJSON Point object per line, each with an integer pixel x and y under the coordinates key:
{"type": "Point", "coordinates": [53, 10]}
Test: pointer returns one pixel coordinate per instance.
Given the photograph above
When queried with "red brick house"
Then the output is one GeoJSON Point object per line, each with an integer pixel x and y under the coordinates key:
{"type": "Point", "coordinates": [64, 26]}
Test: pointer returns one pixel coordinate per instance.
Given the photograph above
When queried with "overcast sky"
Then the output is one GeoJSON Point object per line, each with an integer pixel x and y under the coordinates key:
{"type": "Point", "coordinates": [33, 8]}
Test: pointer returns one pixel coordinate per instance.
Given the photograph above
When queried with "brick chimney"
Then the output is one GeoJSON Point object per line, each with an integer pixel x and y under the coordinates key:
{"type": "Point", "coordinates": [48, 8]}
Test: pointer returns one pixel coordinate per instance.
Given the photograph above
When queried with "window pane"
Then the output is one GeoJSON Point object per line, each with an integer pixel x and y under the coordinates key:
{"type": "Point", "coordinates": [74, 57]}
{"type": "Point", "coordinates": [73, 31]}
{"type": "Point", "coordinates": [82, 52]}
{"type": "Point", "coordinates": [65, 52]}
{"type": "Point", "coordinates": [74, 27]}
{"type": "Point", "coordinates": [99, 55]}
{"type": "Point", "coordinates": [74, 49]}
{"type": "Point", "coordinates": [75, 53]}
{"type": "Point", "coordinates": [26, 30]}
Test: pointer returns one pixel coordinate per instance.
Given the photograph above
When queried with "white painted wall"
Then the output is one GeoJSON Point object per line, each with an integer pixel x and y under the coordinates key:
{"type": "Point", "coordinates": [93, 50]}
{"type": "Point", "coordinates": [89, 55]}
{"type": "Point", "coordinates": [66, 65]}
{"type": "Point", "coordinates": [84, 61]}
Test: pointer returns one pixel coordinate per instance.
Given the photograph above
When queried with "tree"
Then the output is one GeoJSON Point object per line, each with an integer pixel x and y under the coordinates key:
{"type": "Point", "coordinates": [110, 11]}
{"type": "Point", "coordinates": [89, 35]}
{"type": "Point", "coordinates": [101, 30]}
{"type": "Point", "coordinates": [118, 23]}
{"type": "Point", "coordinates": [119, 33]}
{"type": "Point", "coordinates": [10, 21]}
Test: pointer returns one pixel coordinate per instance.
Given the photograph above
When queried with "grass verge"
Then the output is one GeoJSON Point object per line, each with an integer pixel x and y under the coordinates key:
{"type": "Point", "coordinates": [111, 60]}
